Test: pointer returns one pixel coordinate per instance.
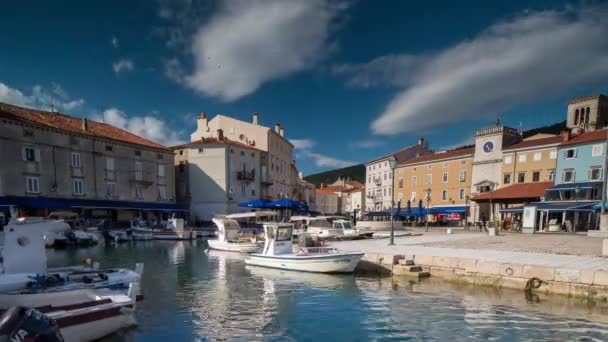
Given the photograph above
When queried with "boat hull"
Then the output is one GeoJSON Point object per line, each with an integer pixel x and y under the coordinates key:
{"type": "Point", "coordinates": [112, 321]}
{"type": "Point", "coordinates": [233, 246]}
{"type": "Point", "coordinates": [325, 263]}
{"type": "Point", "coordinates": [167, 234]}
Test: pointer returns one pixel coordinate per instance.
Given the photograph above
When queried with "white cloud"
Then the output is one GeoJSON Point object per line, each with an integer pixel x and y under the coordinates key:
{"type": "Point", "coordinates": [40, 98]}
{"type": "Point", "coordinates": [304, 149]}
{"type": "Point", "coordinates": [533, 56]}
{"type": "Point", "coordinates": [148, 126]}
{"type": "Point", "coordinates": [115, 42]}
{"type": "Point", "coordinates": [247, 43]}
{"type": "Point", "coordinates": [368, 143]}
{"type": "Point", "coordinates": [394, 70]}
{"type": "Point", "coordinates": [123, 65]}
{"type": "Point", "coordinates": [173, 70]}
{"type": "Point", "coordinates": [303, 144]}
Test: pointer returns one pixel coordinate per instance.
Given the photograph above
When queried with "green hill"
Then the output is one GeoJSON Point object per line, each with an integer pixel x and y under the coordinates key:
{"type": "Point", "coordinates": [355, 172]}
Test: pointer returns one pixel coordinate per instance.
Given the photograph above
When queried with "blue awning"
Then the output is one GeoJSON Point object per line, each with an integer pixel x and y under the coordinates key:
{"type": "Point", "coordinates": [255, 204]}
{"type": "Point", "coordinates": [448, 210]}
{"type": "Point", "coordinates": [68, 203]}
{"type": "Point", "coordinates": [572, 186]}
{"type": "Point", "coordinates": [564, 206]}
{"type": "Point", "coordinates": [512, 210]}
{"type": "Point", "coordinates": [288, 204]}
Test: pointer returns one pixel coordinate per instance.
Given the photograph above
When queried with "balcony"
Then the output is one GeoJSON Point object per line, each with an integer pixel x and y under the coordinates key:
{"type": "Point", "coordinates": [378, 181]}
{"type": "Point", "coordinates": [267, 180]}
{"type": "Point", "coordinates": [138, 178]}
{"type": "Point", "coordinates": [246, 175]}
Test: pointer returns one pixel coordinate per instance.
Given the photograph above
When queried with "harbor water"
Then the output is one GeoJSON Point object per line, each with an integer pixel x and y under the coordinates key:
{"type": "Point", "coordinates": [192, 294]}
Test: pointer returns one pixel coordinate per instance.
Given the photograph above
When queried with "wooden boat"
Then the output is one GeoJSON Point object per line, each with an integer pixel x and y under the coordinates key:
{"type": "Point", "coordinates": [278, 253]}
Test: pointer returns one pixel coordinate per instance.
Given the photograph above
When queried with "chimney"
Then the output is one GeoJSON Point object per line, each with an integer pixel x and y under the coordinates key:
{"type": "Point", "coordinates": [202, 124]}
{"type": "Point", "coordinates": [420, 140]}
{"type": "Point", "coordinates": [255, 118]}
{"type": "Point", "coordinates": [84, 124]}
{"type": "Point", "coordinates": [566, 136]}
{"type": "Point", "coordinates": [220, 134]}
{"type": "Point", "coordinates": [282, 131]}
{"type": "Point", "coordinates": [277, 127]}
{"type": "Point", "coordinates": [322, 185]}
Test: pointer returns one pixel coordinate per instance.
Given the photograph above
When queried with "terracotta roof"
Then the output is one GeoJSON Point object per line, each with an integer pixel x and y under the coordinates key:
{"type": "Point", "coordinates": [355, 184]}
{"type": "Point", "coordinates": [324, 191]}
{"type": "Point", "coordinates": [405, 153]}
{"type": "Point", "coordinates": [215, 141]}
{"type": "Point", "coordinates": [585, 98]}
{"type": "Point", "coordinates": [535, 143]}
{"type": "Point", "coordinates": [439, 156]}
{"type": "Point", "coordinates": [357, 189]}
{"type": "Point", "coordinates": [73, 125]}
{"type": "Point", "coordinates": [515, 191]}
{"type": "Point", "coordinates": [597, 135]}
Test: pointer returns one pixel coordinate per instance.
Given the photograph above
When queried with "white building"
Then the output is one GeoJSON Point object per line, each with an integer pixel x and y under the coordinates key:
{"type": "Point", "coordinates": [215, 174]}
{"type": "Point", "coordinates": [276, 171]}
{"type": "Point", "coordinates": [378, 175]}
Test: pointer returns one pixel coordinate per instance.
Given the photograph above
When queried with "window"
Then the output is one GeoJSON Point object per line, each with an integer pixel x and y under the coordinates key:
{"type": "Point", "coordinates": [597, 150]}
{"type": "Point", "coordinates": [110, 164]}
{"type": "Point", "coordinates": [182, 166]}
{"type": "Point", "coordinates": [390, 176]}
{"type": "Point", "coordinates": [30, 154]}
{"type": "Point", "coordinates": [462, 176]}
{"type": "Point", "coordinates": [570, 153]}
{"type": "Point", "coordinates": [428, 167]}
{"type": "Point", "coordinates": [243, 190]}
{"type": "Point", "coordinates": [139, 174]}
{"type": "Point", "coordinates": [538, 156]}
{"type": "Point", "coordinates": [32, 185]}
{"type": "Point", "coordinates": [369, 179]}
{"type": "Point", "coordinates": [445, 177]}
{"type": "Point", "coordinates": [462, 162]}
{"type": "Point", "coordinates": [521, 177]}
{"type": "Point", "coordinates": [576, 117]}
{"type": "Point", "coordinates": [181, 152]}
{"type": "Point", "coordinates": [242, 153]}
{"type": "Point", "coordinates": [414, 181]}
{"type": "Point", "coordinates": [109, 148]}
{"type": "Point", "coordinates": [552, 175]}
{"type": "Point", "coordinates": [75, 159]}
{"type": "Point", "coordinates": [400, 182]}
{"type": "Point", "coordinates": [138, 153]}
{"type": "Point", "coordinates": [506, 178]}
{"type": "Point", "coordinates": [568, 175]}
{"type": "Point", "coordinates": [461, 194]}
{"type": "Point", "coordinates": [429, 179]}
{"type": "Point", "coordinates": [77, 186]}
{"type": "Point", "coordinates": [139, 193]}
{"type": "Point", "coordinates": [444, 195]}
{"type": "Point", "coordinates": [553, 155]}
{"type": "Point", "coordinates": [384, 192]}
{"type": "Point", "coordinates": [445, 165]}
{"type": "Point", "coordinates": [595, 173]}
{"type": "Point", "coordinates": [390, 191]}
{"type": "Point", "coordinates": [200, 150]}
{"type": "Point", "coordinates": [413, 197]}
{"type": "Point", "coordinates": [162, 192]}
{"type": "Point", "coordinates": [508, 159]}
{"type": "Point", "coordinates": [385, 176]}
{"type": "Point", "coordinates": [110, 189]}
{"type": "Point", "coordinates": [161, 170]}
{"type": "Point", "coordinates": [522, 158]}
{"type": "Point", "coordinates": [536, 176]}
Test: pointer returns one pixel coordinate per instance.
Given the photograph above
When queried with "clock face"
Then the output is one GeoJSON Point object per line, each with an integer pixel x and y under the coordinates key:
{"type": "Point", "coordinates": [488, 146]}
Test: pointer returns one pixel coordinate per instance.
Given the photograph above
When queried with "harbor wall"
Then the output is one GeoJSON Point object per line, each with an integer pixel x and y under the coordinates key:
{"type": "Point", "coordinates": [540, 279]}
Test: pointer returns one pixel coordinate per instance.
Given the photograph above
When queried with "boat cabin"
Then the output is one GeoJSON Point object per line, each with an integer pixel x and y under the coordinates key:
{"type": "Point", "coordinates": [227, 229]}
{"type": "Point", "coordinates": [279, 239]}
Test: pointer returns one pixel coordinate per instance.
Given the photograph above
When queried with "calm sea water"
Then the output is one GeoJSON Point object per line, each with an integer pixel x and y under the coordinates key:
{"type": "Point", "coordinates": [191, 295]}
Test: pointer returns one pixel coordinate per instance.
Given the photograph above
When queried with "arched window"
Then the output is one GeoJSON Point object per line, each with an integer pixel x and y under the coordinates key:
{"type": "Point", "coordinates": [576, 117]}
{"type": "Point", "coordinates": [587, 116]}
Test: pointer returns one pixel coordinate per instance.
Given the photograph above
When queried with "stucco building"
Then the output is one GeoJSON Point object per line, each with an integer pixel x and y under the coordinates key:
{"type": "Point", "coordinates": [587, 113]}
{"type": "Point", "coordinates": [53, 161]}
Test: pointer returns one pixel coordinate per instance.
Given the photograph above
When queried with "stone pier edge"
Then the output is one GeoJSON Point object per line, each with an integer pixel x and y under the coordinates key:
{"type": "Point", "coordinates": [591, 284]}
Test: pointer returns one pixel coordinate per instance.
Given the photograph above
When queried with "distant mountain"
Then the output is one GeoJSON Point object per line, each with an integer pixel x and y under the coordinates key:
{"type": "Point", "coordinates": [556, 128]}
{"type": "Point", "coordinates": [355, 172]}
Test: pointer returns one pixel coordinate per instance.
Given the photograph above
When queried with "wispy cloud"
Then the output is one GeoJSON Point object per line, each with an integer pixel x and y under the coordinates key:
{"type": "Point", "coordinates": [248, 43]}
{"type": "Point", "coordinates": [53, 98]}
{"type": "Point", "coordinates": [115, 43]}
{"type": "Point", "coordinates": [533, 56]}
{"type": "Point", "coordinates": [123, 65]}
{"type": "Point", "coordinates": [367, 143]}
{"type": "Point", "coordinates": [304, 149]}
{"type": "Point", "coordinates": [303, 144]}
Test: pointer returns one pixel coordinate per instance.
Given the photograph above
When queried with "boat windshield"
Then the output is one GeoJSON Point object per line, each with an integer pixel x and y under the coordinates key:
{"type": "Point", "coordinates": [284, 234]}
{"type": "Point", "coordinates": [347, 225]}
{"type": "Point", "coordinates": [320, 223]}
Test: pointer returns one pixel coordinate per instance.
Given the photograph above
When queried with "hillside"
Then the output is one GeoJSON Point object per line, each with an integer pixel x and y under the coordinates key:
{"type": "Point", "coordinates": [355, 172]}
{"type": "Point", "coordinates": [556, 128]}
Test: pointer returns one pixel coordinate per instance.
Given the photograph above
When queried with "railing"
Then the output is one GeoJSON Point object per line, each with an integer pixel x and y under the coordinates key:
{"type": "Point", "coordinates": [378, 181]}
{"type": "Point", "coordinates": [246, 175]}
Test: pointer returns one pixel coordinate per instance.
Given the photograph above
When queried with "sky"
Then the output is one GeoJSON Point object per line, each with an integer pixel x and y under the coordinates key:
{"type": "Point", "coordinates": [349, 80]}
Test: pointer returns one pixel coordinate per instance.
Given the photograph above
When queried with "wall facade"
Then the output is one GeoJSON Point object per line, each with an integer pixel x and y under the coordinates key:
{"type": "Point", "coordinates": [529, 165]}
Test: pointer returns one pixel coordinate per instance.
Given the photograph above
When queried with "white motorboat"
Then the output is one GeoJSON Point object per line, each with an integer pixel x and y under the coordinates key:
{"type": "Point", "coordinates": [173, 231]}
{"type": "Point", "coordinates": [329, 227]}
{"type": "Point", "coordinates": [229, 236]}
{"type": "Point", "coordinates": [70, 238]}
{"type": "Point", "coordinates": [278, 253]}
{"type": "Point", "coordinates": [348, 229]}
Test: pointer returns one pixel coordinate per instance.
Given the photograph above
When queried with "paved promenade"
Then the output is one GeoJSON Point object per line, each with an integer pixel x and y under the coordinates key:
{"type": "Point", "coordinates": [417, 245]}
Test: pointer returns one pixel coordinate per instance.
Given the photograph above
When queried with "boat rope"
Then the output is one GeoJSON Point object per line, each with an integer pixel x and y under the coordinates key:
{"type": "Point", "coordinates": [533, 283]}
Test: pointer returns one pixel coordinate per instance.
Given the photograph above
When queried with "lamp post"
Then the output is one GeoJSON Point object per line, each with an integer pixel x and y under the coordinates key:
{"type": "Point", "coordinates": [466, 210]}
{"type": "Point", "coordinates": [392, 163]}
{"type": "Point", "coordinates": [577, 191]}
{"type": "Point", "coordinates": [428, 201]}
{"type": "Point", "coordinates": [491, 186]}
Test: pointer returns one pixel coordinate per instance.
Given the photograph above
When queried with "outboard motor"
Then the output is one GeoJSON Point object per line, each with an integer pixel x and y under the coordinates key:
{"type": "Point", "coordinates": [24, 324]}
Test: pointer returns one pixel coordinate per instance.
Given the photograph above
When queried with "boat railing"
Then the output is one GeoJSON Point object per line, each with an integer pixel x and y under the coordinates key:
{"type": "Point", "coordinates": [317, 250]}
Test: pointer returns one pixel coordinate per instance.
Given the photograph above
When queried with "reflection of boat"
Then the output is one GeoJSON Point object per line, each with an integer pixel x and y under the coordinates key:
{"type": "Point", "coordinates": [116, 236]}
{"type": "Point", "coordinates": [278, 253]}
{"type": "Point", "coordinates": [304, 278]}
{"type": "Point", "coordinates": [229, 235]}
{"type": "Point", "coordinates": [174, 230]}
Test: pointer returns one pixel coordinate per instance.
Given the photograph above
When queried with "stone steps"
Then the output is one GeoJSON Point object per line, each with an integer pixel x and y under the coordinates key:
{"type": "Point", "coordinates": [407, 268]}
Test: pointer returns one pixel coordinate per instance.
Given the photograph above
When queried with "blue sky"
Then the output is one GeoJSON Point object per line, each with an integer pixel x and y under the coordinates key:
{"type": "Point", "coordinates": [349, 80]}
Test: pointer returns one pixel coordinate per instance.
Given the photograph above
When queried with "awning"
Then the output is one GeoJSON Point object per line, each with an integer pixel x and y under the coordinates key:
{"type": "Point", "coordinates": [564, 206]}
{"type": "Point", "coordinates": [519, 209]}
{"type": "Point", "coordinates": [68, 203]}
{"type": "Point", "coordinates": [572, 186]}
{"type": "Point", "coordinates": [448, 210]}
{"type": "Point", "coordinates": [288, 204]}
{"type": "Point", "coordinates": [255, 204]}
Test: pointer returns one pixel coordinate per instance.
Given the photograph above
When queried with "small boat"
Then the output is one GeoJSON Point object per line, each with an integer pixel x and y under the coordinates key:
{"type": "Point", "coordinates": [173, 231]}
{"type": "Point", "coordinates": [329, 227]}
{"type": "Point", "coordinates": [229, 239]}
{"type": "Point", "coordinates": [116, 236]}
{"type": "Point", "coordinates": [278, 253]}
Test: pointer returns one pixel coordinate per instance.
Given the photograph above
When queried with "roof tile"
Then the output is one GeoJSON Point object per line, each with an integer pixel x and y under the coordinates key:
{"type": "Point", "coordinates": [515, 191]}
{"type": "Point", "coordinates": [597, 135]}
{"type": "Point", "coordinates": [535, 143]}
{"type": "Point", "coordinates": [439, 156]}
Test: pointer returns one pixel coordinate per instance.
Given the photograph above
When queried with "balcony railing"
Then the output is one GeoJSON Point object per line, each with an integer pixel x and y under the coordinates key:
{"type": "Point", "coordinates": [246, 175]}
{"type": "Point", "coordinates": [267, 180]}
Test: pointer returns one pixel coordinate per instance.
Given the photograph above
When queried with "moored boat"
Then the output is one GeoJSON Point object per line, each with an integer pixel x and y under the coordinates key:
{"type": "Point", "coordinates": [174, 231]}
{"type": "Point", "coordinates": [278, 253]}
{"type": "Point", "coordinates": [229, 238]}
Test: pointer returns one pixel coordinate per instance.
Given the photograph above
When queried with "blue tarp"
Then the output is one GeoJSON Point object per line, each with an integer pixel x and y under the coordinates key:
{"type": "Point", "coordinates": [572, 186]}
{"type": "Point", "coordinates": [255, 204]}
{"type": "Point", "coordinates": [67, 203]}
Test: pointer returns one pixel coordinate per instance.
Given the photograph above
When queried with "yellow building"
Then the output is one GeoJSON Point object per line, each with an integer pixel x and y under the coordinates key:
{"type": "Point", "coordinates": [447, 174]}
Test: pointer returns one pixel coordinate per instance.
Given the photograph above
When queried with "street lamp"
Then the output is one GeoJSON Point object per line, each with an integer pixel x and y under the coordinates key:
{"type": "Point", "coordinates": [491, 186]}
{"type": "Point", "coordinates": [428, 201]}
{"type": "Point", "coordinates": [392, 163]}
{"type": "Point", "coordinates": [466, 210]}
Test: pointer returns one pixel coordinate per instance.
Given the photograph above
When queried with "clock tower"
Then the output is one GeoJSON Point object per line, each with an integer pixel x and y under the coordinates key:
{"type": "Point", "coordinates": [487, 164]}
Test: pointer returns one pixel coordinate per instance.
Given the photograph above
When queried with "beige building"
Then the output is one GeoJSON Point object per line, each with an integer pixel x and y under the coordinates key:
{"type": "Point", "coordinates": [378, 175]}
{"type": "Point", "coordinates": [531, 160]}
{"type": "Point", "coordinates": [446, 173]}
{"type": "Point", "coordinates": [276, 172]}
{"type": "Point", "coordinates": [59, 162]}
{"type": "Point", "coordinates": [587, 113]}
{"type": "Point", "coordinates": [215, 174]}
